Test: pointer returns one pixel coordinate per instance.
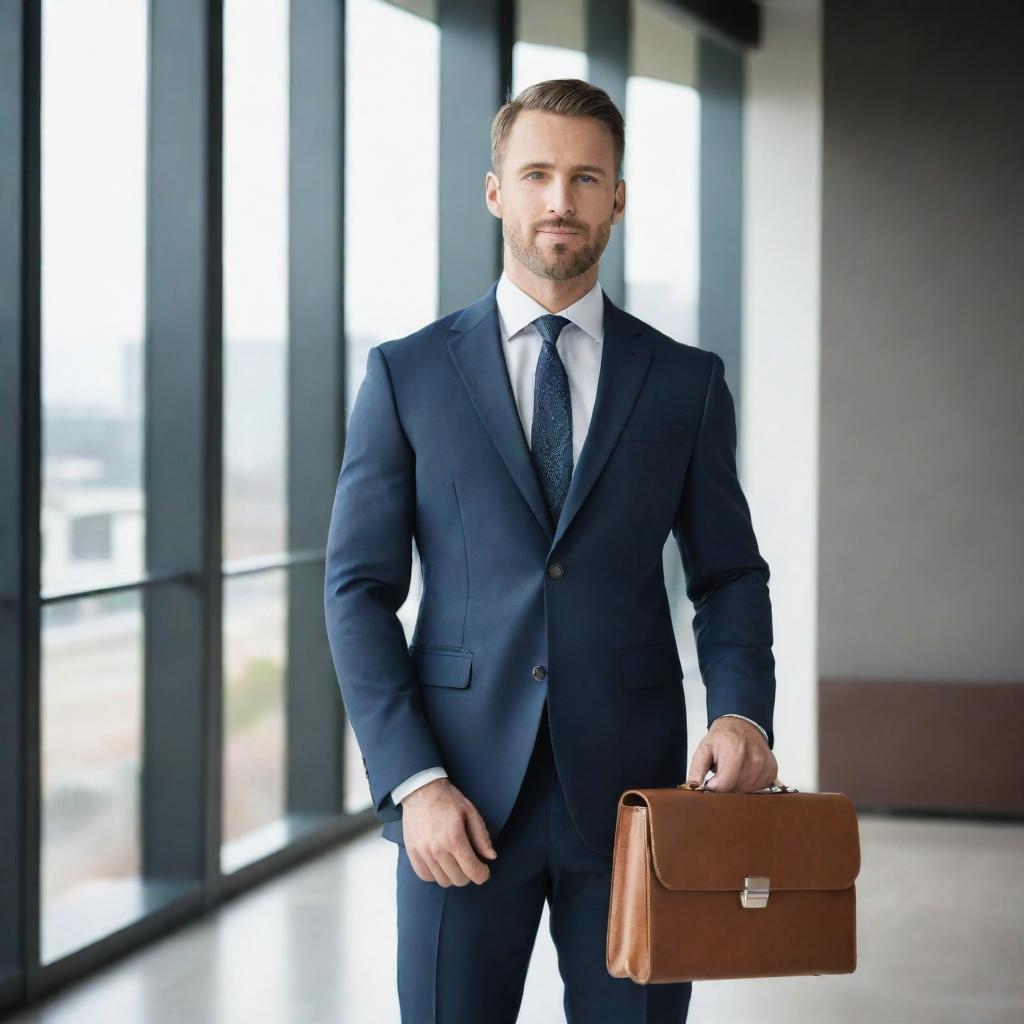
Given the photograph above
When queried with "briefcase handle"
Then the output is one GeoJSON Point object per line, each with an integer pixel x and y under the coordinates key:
{"type": "Point", "coordinates": [776, 786]}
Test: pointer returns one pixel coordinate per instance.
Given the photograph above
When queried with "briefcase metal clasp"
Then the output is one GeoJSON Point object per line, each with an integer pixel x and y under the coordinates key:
{"type": "Point", "coordinates": [755, 892]}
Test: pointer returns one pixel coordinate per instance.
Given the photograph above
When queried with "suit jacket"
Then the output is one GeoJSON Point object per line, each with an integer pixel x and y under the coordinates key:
{"type": "Point", "coordinates": [516, 609]}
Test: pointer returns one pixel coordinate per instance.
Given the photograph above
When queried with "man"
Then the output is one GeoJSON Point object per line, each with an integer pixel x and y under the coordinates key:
{"type": "Point", "coordinates": [539, 445]}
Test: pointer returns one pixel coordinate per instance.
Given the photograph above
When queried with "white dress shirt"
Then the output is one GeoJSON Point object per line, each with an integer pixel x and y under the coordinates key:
{"type": "Point", "coordinates": [579, 348]}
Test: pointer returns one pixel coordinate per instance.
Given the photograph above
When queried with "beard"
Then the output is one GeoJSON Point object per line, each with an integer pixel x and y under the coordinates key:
{"type": "Point", "coordinates": [559, 261]}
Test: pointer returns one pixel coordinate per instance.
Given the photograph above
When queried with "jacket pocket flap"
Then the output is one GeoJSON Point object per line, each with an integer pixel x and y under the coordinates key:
{"type": "Point", "coordinates": [441, 668]}
{"type": "Point", "coordinates": [650, 665]}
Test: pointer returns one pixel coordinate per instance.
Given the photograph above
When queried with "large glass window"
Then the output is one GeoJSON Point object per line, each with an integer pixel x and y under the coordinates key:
{"type": "Point", "coordinates": [93, 187]}
{"type": "Point", "coordinates": [255, 414]}
{"type": "Point", "coordinates": [661, 171]}
{"type": "Point", "coordinates": [391, 184]}
{"type": "Point", "coordinates": [550, 42]}
{"type": "Point", "coordinates": [91, 723]}
{"type": "Point", "coordinates": [93, 290]}
{"type": "Point", "coordinates": [391, 208]}
{"type": "Point", "coordinates": [255, 275]}
{"type": "Point", "coordinates": [255, 630]}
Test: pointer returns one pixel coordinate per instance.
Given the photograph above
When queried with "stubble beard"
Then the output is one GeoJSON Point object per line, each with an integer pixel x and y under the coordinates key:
{"type": "Point", "coordinates": [559, 263]}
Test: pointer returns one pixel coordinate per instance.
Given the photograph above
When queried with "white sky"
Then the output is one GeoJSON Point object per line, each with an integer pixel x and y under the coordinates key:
{"type": "Point", "coordinates": [93, 194]}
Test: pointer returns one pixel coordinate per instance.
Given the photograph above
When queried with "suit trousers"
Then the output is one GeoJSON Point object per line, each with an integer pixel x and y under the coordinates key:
{"type": "Point", "coordinates": [463, 951]}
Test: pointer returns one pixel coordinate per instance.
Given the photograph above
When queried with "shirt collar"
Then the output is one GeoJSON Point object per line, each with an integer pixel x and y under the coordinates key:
{"type": "Point", "coordinates": [517, 310]}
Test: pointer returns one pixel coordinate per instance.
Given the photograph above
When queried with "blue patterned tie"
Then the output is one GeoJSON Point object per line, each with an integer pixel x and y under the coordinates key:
{"type": "Point", "coordinates": [551, 434]}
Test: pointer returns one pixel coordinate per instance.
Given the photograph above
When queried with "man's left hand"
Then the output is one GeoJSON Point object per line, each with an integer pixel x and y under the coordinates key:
{"type": "Point", "coordinates": [738, 754]}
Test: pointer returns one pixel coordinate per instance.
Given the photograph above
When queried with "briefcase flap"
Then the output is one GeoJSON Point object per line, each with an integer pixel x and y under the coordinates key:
{"type": "Point", "coordinates": [706, 841]}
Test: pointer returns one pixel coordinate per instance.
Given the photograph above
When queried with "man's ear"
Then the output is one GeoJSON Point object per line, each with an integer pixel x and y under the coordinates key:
{"type": "Point", "coordinates": [492, 193]}
{"type": "Point", "coordinates": [619, 200]}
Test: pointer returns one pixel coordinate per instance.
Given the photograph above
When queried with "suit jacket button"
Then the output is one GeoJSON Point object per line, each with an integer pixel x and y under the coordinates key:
{"type": "Point", "coordinates": [555, 571]}
{"type": "Point", "coordinates": [539, 672]}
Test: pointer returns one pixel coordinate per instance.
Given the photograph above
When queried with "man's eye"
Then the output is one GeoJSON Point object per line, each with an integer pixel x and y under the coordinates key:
{"type": "Point", "coordinates": [590, 176]}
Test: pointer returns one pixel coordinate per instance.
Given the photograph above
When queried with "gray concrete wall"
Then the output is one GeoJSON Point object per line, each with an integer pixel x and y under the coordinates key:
{"type": "Point", "coordinates": [921, 520]}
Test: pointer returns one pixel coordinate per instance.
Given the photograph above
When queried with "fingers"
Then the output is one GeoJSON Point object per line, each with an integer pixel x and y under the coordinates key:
{"type": "Point", "coordinates": [769, 771]}
{"type": "Point", "coordinates": [742, 768]}
{"type": "Point", "coordinates": [478, 834]}
{"type": "Point", "coordinates": [458, 866]}
{"type": "Point", "coordinates": [450, 860]}
{"type": "Point", "coordinates": [426, 867]}
{"type": "Point", "coordinates": [451, 866]}
{"type": "Point", "coordinates": [702, 760]}
{"type": "Point", "coordinates": [727, 775]}
{"type": "Point", "coordinates": [741, 762]}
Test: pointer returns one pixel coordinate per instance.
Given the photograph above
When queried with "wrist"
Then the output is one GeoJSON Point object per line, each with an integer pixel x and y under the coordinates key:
{"type": "Point", "coordinates": [431, 786]}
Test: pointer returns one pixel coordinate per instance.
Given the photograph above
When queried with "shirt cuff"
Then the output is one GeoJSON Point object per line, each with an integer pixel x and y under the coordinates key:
{"type": "Point", "coordinates": [732, 714]}
{"type": "Point", "coordinates": [414, 782]}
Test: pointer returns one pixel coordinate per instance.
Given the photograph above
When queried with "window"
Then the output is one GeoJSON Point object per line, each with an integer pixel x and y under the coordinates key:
{"type": "Point", "coordinates": [256, 342]}
{"type": "Point", "coordinates": [93, 184]}
{"type": "Point", "coordinates": [93, 284]}
{"type": "Point", "coordinates": [90, 537]}
{"type": "Point", "coordinates": [661, 170]}
{"type": "Point", "coordinates": [550, 42]}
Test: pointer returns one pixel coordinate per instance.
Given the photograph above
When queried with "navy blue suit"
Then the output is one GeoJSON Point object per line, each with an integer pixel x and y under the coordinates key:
{"type": "Point", "coordinates": [529, 629]}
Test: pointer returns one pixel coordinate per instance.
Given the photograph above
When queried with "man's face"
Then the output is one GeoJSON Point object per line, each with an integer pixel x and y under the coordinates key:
{"type": "Point", "coordinates": [557, 197]}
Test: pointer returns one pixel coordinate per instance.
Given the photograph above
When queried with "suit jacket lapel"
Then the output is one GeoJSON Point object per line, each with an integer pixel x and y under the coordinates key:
{"type": "Point", "coordinates": [625, 356]}
{"type": "Point", "coordinates": [475, 348]}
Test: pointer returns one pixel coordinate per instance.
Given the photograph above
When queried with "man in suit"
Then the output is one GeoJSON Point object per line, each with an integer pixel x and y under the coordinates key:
{"type": "Point", "coordinates": [539, 445]}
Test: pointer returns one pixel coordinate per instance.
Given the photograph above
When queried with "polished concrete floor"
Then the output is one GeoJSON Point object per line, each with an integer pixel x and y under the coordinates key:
{"type": "Point", "coordinates": [940, 917]}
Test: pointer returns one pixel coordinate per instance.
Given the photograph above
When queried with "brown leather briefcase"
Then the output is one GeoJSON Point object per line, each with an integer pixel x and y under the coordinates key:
{"type": "Point", "coordinates": [712, 885]}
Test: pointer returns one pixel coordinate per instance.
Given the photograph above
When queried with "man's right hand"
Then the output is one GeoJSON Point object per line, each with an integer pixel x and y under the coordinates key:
{"type": "Point", "coordinates": [444, 833]}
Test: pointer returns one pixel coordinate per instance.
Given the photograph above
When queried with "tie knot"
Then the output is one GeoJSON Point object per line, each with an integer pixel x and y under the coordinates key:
{"type": "Point", "coordinates": [550, 326]}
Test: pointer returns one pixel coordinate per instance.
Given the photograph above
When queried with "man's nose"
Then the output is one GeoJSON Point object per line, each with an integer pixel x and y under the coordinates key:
{"type": "Point", "coordinates": [560, 200]}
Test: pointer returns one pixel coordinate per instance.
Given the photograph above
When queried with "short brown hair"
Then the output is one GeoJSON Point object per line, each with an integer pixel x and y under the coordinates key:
{"type": "Point", "coordinates": [569, 96]}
